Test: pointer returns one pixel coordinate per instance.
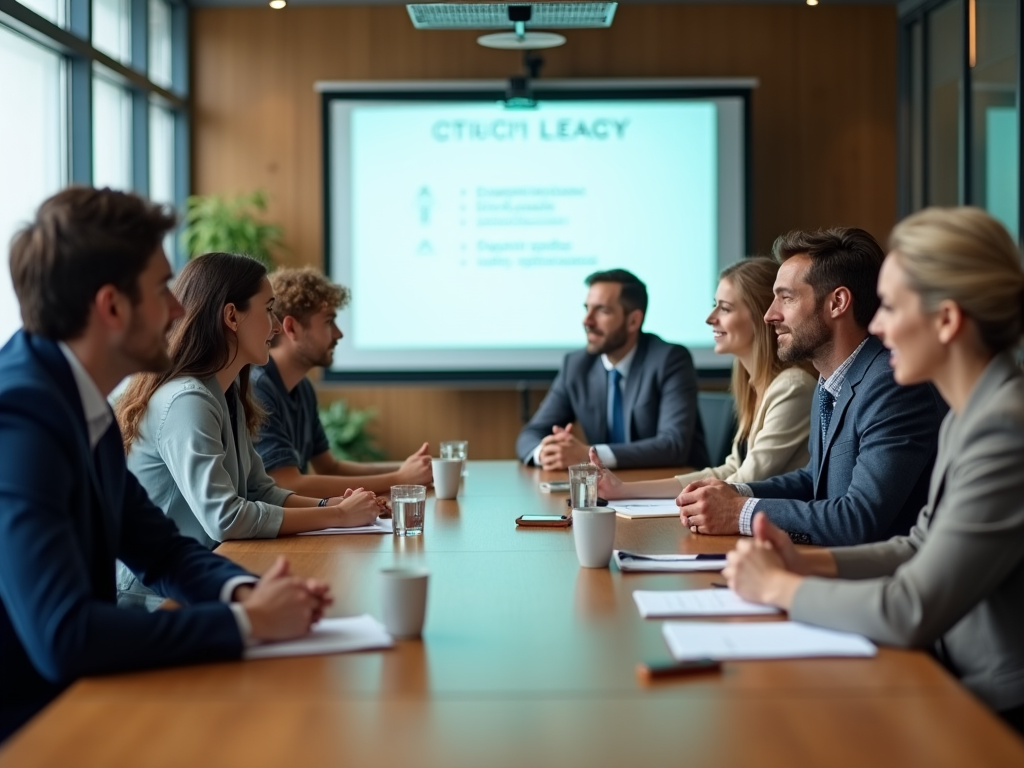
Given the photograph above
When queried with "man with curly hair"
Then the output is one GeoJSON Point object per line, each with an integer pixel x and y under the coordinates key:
{"type": "Point", "coordinates": [292, 440]}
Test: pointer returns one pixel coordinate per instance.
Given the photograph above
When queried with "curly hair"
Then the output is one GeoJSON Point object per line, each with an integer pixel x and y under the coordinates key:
{"type": "Point", "coordinates": [302, 292]}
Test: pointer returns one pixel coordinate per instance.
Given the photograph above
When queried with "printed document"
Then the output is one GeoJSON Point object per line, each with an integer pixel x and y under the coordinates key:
{"type": "Point", "coordinates": [760, 640]}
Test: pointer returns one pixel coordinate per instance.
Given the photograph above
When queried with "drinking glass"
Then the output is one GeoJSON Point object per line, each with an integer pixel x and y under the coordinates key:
{"type": "Point", "coordinates": [583, 485]}
{"type": "Point", "coordinates": [456, 449]}
{"type": "Point", "coordinates": [408, 503]}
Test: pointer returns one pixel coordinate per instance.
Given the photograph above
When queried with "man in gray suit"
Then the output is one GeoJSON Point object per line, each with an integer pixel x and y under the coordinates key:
{"type": "Point", "coordinates": [634, 395]}
{"type": "Point", "coordinates": [874, 442]}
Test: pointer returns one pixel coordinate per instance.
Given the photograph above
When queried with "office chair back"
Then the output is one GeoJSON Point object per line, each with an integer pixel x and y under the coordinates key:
{"type": "Point", "coordinates": [718, 414]}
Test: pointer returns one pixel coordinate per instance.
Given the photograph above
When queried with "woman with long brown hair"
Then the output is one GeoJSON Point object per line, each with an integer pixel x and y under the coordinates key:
{"type": "Point", "coordinates": [188, 431]}
{"type": "Point", "coordinates": [773, 400]}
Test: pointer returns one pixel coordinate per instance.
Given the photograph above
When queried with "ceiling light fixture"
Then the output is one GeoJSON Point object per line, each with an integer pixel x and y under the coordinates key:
{"type": "Point", "coordinates": [278, 4]}
{"type": "Point", "coordinates": [812, 2]}
{"type": "Point", "coordinates": [520, 18]}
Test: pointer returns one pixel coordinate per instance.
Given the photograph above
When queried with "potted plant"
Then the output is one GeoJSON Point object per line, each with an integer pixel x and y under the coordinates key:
{"type": "Point", "coordinates": [230, 224]}
{"type": "Point", "coordinates": [348, 433]}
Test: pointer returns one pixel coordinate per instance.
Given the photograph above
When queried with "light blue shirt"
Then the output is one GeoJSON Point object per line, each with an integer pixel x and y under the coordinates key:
{"type": "Point", "coordinates": [204, 475]}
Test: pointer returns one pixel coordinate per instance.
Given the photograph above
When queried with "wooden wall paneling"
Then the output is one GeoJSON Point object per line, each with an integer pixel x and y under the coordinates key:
{"type": "Point", "coordinates": [824, 127]}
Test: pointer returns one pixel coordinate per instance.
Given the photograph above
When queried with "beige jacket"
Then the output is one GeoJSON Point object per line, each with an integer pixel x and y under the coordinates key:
{"type": "Point", "coordinates": [956, 582]}
{"type": "Point", "coordinates": [778, 437]}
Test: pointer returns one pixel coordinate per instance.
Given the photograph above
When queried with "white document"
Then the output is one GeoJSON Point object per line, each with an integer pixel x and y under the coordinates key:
{"type": "Point", "coordinates": [696, 602]}
{"type": "Point", "coordinates": [636, 508]}
{"type": "Point", "coordinates": [354, 633]}
{"type": "Point", "coordinates": [634, 561]}
{"type": "Point", "coordinates": [382, 525]}
{"type": "Point", "coordinates": [760, 640]}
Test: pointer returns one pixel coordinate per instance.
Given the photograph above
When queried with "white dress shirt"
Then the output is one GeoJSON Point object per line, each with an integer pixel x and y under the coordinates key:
{"type": "Point", "coordinates": [98, 418]}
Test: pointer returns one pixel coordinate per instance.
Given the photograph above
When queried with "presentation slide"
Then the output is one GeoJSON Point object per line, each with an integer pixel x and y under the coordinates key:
{"type": "Point", "coordinates": [466, 230]}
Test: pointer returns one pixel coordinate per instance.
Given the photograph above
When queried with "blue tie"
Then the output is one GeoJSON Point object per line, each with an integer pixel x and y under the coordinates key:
{"type": "Point", "coordinates": [825, 403]}
{"type": "Point", "coordinates": [617, 427]}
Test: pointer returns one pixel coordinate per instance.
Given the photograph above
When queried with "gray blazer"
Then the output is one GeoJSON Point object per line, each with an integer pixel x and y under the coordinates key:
{"type": "Point", "coordinates": [663, 426]}
{"type": "Point", "coordinates": [956, 583]}
{"type": "Point", "coordinates": [870, 478]}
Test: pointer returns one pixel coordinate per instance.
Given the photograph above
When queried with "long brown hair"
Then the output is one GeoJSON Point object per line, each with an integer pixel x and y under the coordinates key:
{"type": "Point", "coordinates": [198, 342]}
{"type": "Point", "coordinates": [753, 280]}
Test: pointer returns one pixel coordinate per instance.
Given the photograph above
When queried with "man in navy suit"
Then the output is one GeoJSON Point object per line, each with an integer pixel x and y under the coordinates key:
{"type": "Point", "coordinates": [634, 395]}
{"type": "Point", "coordinates": [91, 278]}
{"type": "Point", "coordinates": [873, 443]}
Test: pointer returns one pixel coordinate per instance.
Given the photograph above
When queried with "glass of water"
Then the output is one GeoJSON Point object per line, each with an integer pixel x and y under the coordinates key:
{"type": "Point", "coordinates": [456, 449]}
{"type": "Point", "coordinates": [583, 485]}
{"type": "Point", "coordinates": [408, 503]}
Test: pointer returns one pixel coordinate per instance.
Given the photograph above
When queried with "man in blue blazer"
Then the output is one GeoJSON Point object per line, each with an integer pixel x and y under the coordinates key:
{"type": "Point", "coordinates": [634, 395]}
{"type": "Point", "coordinates": [91, 278]}
{"type": "Point", "coordinates": [874, 442]}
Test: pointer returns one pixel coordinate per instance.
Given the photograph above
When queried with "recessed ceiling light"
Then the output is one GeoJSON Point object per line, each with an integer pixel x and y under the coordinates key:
{"type": "Point", "coordinates": [279, 4]}
{"type": "Point", "coordinates": [812, 2]}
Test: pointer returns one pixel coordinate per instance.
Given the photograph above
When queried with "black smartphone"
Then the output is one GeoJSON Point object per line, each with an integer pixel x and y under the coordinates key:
{"type": "Point", "coordinates": [544, 521]}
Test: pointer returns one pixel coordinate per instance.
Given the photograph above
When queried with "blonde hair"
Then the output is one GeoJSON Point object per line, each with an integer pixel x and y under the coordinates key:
{"type": "Point", "coordinates": [753, 279]}
{"type": "Point", "coordinates": [966, 256]}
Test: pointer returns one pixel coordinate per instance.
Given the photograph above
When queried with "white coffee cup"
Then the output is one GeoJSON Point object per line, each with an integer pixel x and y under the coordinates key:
{"type": "Point", "coordinates": [447, 476]}
{"type": "Point", "coordinates": [593, 529]}
{"type": "Point", "coordinates": [403, 597]}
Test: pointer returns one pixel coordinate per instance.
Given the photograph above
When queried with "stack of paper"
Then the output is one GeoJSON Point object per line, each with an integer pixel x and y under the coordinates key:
{"type": "Point", "coordinates": [697, 602]}
{"type": "Point", "coordinates": [636, 508]}
{"type": "Point", "coordinates": [760, 640]}
{"type": "Point", "coordinates": [382, 525]}
{"type": "Point", "coordinates": [355, 633]}
{"type": "Point", "coordinates": [633, 561]}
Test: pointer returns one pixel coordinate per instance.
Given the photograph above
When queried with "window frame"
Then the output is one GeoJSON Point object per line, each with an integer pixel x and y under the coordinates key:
{"type": "Point", "coordinates": [73, 42]}
{"type": "Point", "coordinates": [913, 12]}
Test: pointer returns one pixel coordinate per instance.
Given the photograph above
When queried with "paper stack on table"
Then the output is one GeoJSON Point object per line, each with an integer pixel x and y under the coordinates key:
{"type": "Point", "coordinates": [696, 602]}
{"type": "Point", "coordinates": [354, 633]}
{"type": "Point", "coordinates": [760, 640]}
{"type": "Point", "coordinates": [382, 525]}
{"type": "Point", "coordinates": [632, 509]}
{"type": "Point", "coordinates": [634, 561]}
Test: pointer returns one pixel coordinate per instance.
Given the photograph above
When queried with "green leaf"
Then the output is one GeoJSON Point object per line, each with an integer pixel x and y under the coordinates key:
{"type": "Point", "coordinates": [231, 224]}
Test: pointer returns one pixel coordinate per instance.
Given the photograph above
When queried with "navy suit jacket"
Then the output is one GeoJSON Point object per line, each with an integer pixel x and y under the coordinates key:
{"type": "Point", "coordinates": [64, 519]}
{"type": "Point", "coordinates": [663, 427]}
{"type": "Point", "coordinates": [870, 479]}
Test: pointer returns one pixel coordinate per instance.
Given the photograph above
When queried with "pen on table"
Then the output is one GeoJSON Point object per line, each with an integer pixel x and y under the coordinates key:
{"type": "Point", "coordinates": [719, 585]}
{"type": "Point", "coordinates": [656, 670]}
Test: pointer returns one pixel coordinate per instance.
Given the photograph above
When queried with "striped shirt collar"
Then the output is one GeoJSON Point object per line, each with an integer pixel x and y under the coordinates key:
{"type": "Point", "coordinates": [834, 383]}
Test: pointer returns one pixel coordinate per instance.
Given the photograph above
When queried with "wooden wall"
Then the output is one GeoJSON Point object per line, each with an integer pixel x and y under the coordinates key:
{"type": "Point", "coordinates": [824, 128]}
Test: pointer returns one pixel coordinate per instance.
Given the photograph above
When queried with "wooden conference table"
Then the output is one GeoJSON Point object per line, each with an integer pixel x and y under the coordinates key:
{"type": "Point", "coordinates": [526, 660]}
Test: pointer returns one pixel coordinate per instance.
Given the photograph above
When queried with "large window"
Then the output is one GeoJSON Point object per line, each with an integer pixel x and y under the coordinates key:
{"type": "Point", "coordinates": [995, 161]}
{"type": "Point", "coordinates": [112, 28]}
{"type": "Point", "coordinates": [111, 135]}
{"type": "Point", "coordinates": [960, 117]}
{"type": "Point", "coordinates": [31, 147]}
{"type": "Point", "coordinates": [108, 110]}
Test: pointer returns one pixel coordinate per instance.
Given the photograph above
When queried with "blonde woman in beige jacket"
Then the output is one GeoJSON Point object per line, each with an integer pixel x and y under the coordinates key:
{"type": "Point", "coordinates": [773, 402]}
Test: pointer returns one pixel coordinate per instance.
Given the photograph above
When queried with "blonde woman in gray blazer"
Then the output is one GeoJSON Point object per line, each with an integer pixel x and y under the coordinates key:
{"type": "Point", "coordinates": [952, 312]}
{"type": "Point", "coordinates": [773, 402]}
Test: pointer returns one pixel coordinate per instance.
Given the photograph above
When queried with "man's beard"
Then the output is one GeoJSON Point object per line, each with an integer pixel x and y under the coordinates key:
{"type": "Point", "coordinates": [610, 342]}
{"type": "Point", "coordinates": [805, 341]}
{"type": "Point", "coordinates": [148, 354]}
{"type": "Point", "coordinates": [316, 358]}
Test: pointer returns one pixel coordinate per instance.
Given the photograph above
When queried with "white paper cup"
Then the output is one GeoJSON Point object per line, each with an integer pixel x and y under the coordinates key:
{"type": "Point", "coordinates": [403, 597]}
{"type": "Point", "coordinates": [447, 476]}
{"type": "Point", "coordinates": [593, 529]}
